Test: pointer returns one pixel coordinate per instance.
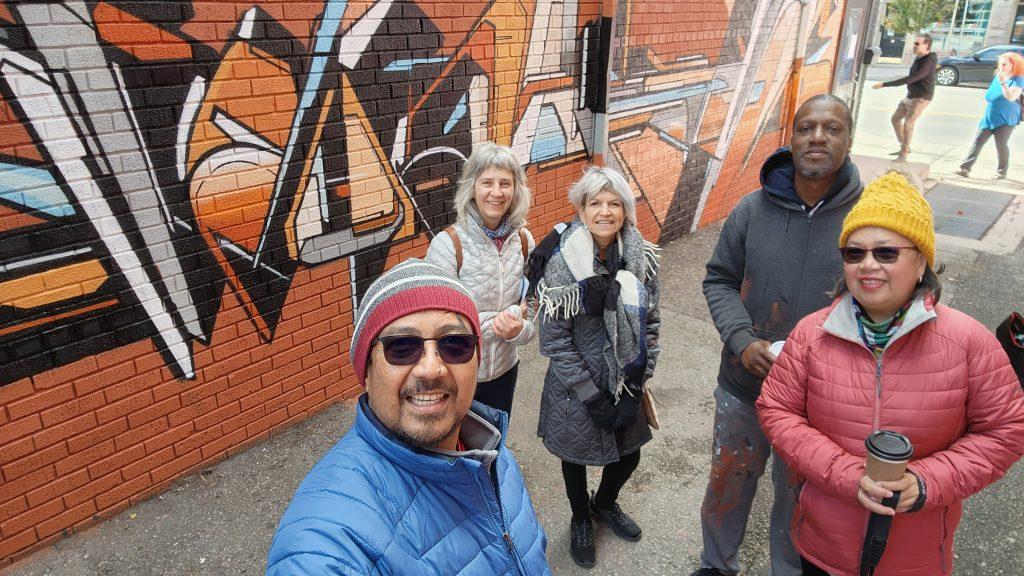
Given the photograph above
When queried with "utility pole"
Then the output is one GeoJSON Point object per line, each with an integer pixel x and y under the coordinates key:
{"type": "Point", "coordinates": [952, 24]}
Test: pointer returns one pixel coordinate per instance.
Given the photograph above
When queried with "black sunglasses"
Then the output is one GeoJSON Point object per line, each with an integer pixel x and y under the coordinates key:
{"type": "Point", "coordinates": [407, 350]}
{"type": "Point", "coordinates": [882, 254]}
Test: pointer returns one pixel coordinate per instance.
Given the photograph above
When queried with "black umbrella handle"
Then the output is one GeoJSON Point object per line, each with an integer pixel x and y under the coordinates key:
{"type": "Point", "coordinates": [877, 536]}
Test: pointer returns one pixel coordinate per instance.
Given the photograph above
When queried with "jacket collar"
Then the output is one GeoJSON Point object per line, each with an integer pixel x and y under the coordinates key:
{"type": "Point", "coordinates": [779, 171]}
{"type": "Point", "coordinates": [841, 320]}
{"type": "Point", "coordinates": [483, 432]}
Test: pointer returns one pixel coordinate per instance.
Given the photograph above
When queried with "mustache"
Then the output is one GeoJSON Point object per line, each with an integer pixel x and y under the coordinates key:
{"type": "Point", "coordinates": [430, 386]}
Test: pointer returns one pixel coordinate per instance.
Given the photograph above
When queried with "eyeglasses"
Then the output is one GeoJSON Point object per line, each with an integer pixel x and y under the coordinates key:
{"type": "Point", "coordinates": [407, 350]}
{"type": "Point", "coordinates": [882, 254]}
{"type": "Point", "coordinates": [917, 43]}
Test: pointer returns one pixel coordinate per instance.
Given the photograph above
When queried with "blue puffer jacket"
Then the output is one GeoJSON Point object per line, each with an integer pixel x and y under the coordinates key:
{"type": "Point", "coordinates": [373, 506]}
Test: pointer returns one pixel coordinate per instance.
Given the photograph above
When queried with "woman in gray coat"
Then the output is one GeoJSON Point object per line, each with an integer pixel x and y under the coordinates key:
{"type": "Point", "coordinates": [598, 310]}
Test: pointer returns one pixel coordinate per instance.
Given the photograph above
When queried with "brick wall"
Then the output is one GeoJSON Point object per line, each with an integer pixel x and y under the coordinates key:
{"type": "Point", "coordinates": [194, 195]}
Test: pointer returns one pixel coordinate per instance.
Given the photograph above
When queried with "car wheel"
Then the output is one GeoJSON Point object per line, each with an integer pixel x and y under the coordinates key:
{"type": "Point", "coordinates": [947, 76]}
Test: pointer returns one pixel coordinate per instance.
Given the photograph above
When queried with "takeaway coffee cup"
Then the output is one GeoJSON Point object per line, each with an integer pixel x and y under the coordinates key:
{"type": "Point", "coordinates": [776, 347]}
{"type": "Point", "coordinates": [888, 454]}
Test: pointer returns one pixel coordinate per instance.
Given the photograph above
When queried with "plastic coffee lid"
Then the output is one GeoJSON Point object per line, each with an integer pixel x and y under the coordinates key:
{"type": "Point", "coordinates": [776, 347]}
{"type": "Point", "coordinates": [889, 445]}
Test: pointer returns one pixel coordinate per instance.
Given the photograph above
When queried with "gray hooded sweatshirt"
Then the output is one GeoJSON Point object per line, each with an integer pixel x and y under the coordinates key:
{"type": "Point", "coordinates": [775, 262]}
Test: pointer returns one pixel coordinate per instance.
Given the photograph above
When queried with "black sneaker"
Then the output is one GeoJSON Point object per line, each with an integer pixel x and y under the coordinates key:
{"type": "Point", "coordinates": [707, 572]}
{"type": "Point", "coordinates": [581, 542]}
{"type": "Point", "coordinates": [620, 522]}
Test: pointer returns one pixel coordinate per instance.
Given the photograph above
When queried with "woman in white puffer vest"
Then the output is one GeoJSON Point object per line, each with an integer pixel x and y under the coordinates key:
{"type": "Point", "coordinates": [487, 249]}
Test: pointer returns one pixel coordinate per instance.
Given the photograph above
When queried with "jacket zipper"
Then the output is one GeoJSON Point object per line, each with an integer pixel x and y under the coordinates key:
{"type": "Point", "coordinates": [513, 554]}
{"type": "Point", "coordinates": [877, 412]}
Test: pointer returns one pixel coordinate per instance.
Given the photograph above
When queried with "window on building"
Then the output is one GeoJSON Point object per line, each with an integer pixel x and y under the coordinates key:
{"type": "Point", "coordinates": [1017, 34]}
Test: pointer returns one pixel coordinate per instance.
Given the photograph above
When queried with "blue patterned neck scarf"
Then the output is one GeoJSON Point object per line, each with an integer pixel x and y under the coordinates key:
{"type": "Point", "coordinates": [876, 335]}
{"type": "Point", "coordinates": [499, 234]}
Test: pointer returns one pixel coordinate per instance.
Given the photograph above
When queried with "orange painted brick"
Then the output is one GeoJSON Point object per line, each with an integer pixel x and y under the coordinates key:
{"type": "Point", "coordinates": [306, 403]}
{"type": "Point", "coordinates": [34, 461]}
{"type": "Point", "coordinates": [13, 430]}
{"type": "Point", "coordinates": [62, 485]}
{"type": "Point", "coordinates": [129, 387]}
{"type": "Point", "coordinates": [17, 449]}
{"type": "Point", "coordinates": [117, 461]}
{"type": "Point", "coordinates": [12, 508]}
{"type": "Point", "coordinates": [66, 373]}
{"type": "Point", "coordinates": [97, 435]}
{"type": "Point", "coordinates": [214, 370]}
{"type": "Point", "coordinates": [124, 407]}
{"type": "Point", "coordinates": [266, 423]}
{"type": "Point", "coordinates": [85, 457]}
{"type": "Point", "coordinates": [40, 401]}
{"type": "Point", "coordinates": [295, 353]}
{"type": "Point", "coordinates": [243, 419]}
{"type": "Point", "coordinates": [221, 445]}
{"type": "Point", "coordinates": [280, 374]}
{"type": "Point", "coordinates": [74, 408]}
{"type": "Point", "coordinates": [11, 489]}
{"type": "Point", "coordinates": [217, 416]}
{"type": "Point", "coordinates": [250, 372]}
{"type": "Point", "coordinates": [10, 545]}
{"type": "Point", "coordinates": [92, 489]}
{"type": "Point", "coordinates": [112, 499]}
{"type": "Point", "coordinates": [197, 440]}
{"type": "Point", "coordinates": [319, 357]}
{"type": "Point", "coordinates": [173, 468]}
{"type": "Point", "coordinates": [260, 397]}
{"type": "Point", "coordinates": [192, 411]}
{"type": "Point", "coordinates": [158, 410]}
{"type": "Point", "coordinates": [68, 518]}
{"type": "Point", "coordinates": [104, 378]}
{"type": "Point", "coordinates": [31, 517]}
{"type": "Point", "coordinates": [197, 393]}
{"type": "Point", "coordinates": [297, 380]}
{"type": "Point", "coordinates": [168, 437]}
{"type": "Point", "coordinates": [241, 390]}
{"type": "Point", "coordinates": [147, 464]}
{"type": "Point", "coordinates": [141, 433]}
{"type": "Point", "coordinates": [285, 399]}
{"type": "Point", "coordinates": [15, 390]}
{"type": "Point", "coordinates": [64, 430]}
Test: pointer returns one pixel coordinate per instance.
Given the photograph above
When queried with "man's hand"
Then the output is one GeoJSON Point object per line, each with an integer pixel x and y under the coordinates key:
{"type": "Point", "coordinates": [877, 85]}
{"type": "Point", "coordinates": [507, 325]}
{"type": "Point", "coordinates": [757, 359]}
{"type": "Point", "coordinates": [871, 493]}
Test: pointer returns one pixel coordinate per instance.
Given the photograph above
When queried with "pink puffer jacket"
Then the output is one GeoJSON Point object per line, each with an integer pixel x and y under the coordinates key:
{"type": "Point", "coordinates": [943, 381]}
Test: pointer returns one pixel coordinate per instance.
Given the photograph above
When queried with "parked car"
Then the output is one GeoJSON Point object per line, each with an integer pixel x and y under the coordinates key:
{"type": "Point", "coordinates": [977, 67]}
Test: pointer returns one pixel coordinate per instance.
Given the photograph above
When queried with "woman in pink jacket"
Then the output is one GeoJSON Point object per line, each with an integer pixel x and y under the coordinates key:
{"type": "Point", "coordinates": [886, 355]}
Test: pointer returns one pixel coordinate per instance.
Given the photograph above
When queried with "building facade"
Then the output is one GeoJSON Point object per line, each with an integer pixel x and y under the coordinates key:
{"type": "Point", "coordinates": [194, 195]}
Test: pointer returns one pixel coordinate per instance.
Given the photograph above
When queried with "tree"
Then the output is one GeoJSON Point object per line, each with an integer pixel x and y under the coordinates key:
{"type": "Point", "coordinates": [913, 16]}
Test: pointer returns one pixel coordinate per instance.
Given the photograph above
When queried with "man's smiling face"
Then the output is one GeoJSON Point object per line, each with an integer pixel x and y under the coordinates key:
{"type": "Point", "coordinates": [423, 403]}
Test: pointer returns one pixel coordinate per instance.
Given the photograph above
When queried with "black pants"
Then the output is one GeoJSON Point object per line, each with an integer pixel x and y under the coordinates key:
{"type": "Point", "coordinates": [1002, 135]}
{"type": "Point", "coordinates": [498, 393]}
{"type": "Point", "coordinates": [613, 478]}
{"type": "Point", "coordinates": [810, 569]}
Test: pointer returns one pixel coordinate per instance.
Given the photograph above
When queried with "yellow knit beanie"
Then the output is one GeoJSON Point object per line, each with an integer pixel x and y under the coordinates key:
{"type": "Point", "coordinates": [893, 203]}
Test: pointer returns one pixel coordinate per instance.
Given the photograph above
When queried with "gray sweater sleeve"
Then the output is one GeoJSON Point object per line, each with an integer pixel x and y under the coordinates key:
{"type": "Point", "coordinates": [722, 284]}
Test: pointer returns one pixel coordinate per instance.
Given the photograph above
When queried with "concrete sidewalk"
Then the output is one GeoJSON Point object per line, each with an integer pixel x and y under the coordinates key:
{"type": "Point", "coordinates": [221, 520]}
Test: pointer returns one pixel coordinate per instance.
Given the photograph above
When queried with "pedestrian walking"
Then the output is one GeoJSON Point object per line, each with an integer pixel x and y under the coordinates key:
{"type": "Point", "coordinates": [774, 263]}
{"type": "Point", "coordinates": [598, 305]}
{"type": "Point", "coordinates": [920, 82]}
{"type": "Point", "coordinates": [1002, 113]}
{"type": "Point", "coordinates": [423, 482]}
{"type": "Point", "coordinates": [887, 356]}
{"type": "Point", "coordinates": [487, 249]}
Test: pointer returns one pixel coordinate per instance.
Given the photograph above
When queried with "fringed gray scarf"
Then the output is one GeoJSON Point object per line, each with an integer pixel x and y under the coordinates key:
{"type": "Point", "coordinates": [570, 274]}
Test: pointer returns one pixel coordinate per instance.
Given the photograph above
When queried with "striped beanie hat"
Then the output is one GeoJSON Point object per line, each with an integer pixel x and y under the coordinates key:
{"type": "Point", "coordinates": [412, 286]}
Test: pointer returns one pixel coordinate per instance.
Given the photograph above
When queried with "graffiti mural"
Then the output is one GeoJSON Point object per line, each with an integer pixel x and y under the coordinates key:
{"type": "Point", "coordinates": [693, 112]}
{"type": "Point", "coordinates": [155, 155]}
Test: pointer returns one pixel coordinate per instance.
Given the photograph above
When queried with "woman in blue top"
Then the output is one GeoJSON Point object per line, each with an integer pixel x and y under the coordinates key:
{"type": "Point", "coordinates": [1002, 113]}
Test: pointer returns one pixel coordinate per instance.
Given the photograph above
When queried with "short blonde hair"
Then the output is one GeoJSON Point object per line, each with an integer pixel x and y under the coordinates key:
{"type": "Point", "coordinates": [598, 179]}
{"type": "Point", "coordinates": [490, 155]}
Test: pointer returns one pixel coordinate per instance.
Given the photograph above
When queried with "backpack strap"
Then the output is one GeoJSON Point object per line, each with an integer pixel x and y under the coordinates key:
{"type": "Point", "coordinates": [525, 246]}
{"type": "Point", "coordinates": [458, 248]}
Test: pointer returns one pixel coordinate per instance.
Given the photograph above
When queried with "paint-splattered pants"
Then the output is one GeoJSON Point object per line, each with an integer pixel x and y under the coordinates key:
{"type": "Point", "coordinates": [738, 459]}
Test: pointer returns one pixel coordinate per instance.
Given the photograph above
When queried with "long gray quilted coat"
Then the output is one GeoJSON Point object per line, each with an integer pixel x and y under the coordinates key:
{"type": "Point", "coordinates": [576, 371]}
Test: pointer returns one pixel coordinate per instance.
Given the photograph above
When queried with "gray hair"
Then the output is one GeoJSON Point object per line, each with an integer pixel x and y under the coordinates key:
{"type": "Point", "coordinates": [490, 155]}
{"type": "Point", "coordinates": [598, 179]}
